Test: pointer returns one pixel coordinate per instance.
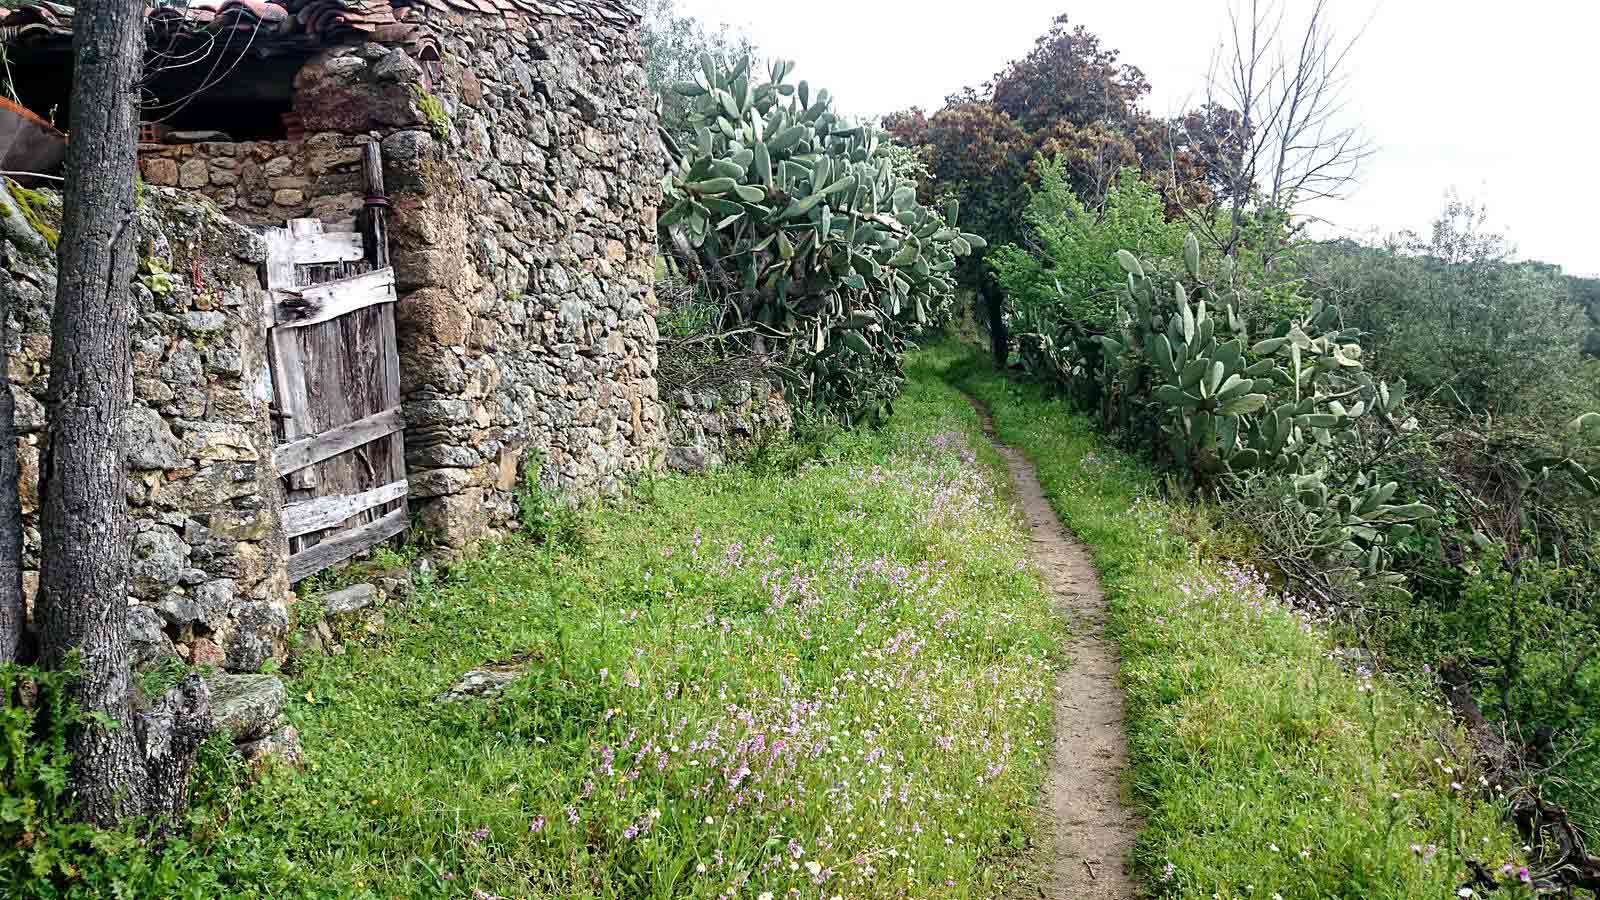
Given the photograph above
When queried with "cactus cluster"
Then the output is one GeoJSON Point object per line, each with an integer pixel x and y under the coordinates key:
{"type": "Point", "coordinates": [1181, 373]}
{"type": "Point", "coordinates": [821, 250]}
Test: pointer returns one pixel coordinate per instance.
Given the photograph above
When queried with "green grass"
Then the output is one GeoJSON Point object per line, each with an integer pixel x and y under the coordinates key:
{"type": "Point", "coordinates": [833, 679]}
{"type": "Point", "coordinates": [1262, 765]}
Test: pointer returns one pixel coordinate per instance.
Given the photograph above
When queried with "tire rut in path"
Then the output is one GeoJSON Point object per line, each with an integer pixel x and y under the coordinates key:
{"type": "Point", "coordinates": [1092, 831]}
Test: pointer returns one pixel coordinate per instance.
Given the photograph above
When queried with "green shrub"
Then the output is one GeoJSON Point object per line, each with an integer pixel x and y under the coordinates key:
{"type": "Point", "coordinates": [38, 839]}
{"type": "Point", "coordinates": [547, 518]}
{"type": "Point", "coordinates": [1070, 276]}
{"type": "Point", "coordinates": [44, 851]}
{"type": "Point", "coordinates": [1455, 314]}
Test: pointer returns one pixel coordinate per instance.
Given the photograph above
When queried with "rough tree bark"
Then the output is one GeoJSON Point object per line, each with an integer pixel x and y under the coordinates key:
{"type": "Point", "coordinates": [15, 641]}
{"type": "Point", "coordinates": [994, 308]}
{"type": "Point", "coordinates": [142, 766]}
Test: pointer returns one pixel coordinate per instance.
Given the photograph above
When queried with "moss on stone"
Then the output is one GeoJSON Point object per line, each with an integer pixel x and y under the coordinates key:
{"type": "Point", "coordinates": [433, 110]}
{"type": "Point", "coordinates": [40, 211]}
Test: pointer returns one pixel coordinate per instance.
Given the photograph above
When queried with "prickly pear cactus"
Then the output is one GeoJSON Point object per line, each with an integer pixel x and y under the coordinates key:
{"type": "Point", "coordinates": [1224, 403]}
{"type": "Point", "coordinates": [820, 249]}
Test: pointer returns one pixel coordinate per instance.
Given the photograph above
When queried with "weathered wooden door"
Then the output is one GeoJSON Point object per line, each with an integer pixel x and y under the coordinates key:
{"type": "Point", "coordinates": [336, 384]}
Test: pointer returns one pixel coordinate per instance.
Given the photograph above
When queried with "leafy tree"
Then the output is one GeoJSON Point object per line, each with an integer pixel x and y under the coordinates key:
{"type": "Point", "coordinates": [1585, 292]}
{"type": "Point", "coordinates": [1072, 101]}
{"type": "Point", "coordinates": [1068, 77]}
{"type": "Point", "coordinates": [1071, 273]}
{"type": "Point", "coordinates": [672, 47]}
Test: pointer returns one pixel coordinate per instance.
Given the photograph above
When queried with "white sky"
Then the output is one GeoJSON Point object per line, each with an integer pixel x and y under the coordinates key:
{"type": "Point", "coordinates": [1498, 101]}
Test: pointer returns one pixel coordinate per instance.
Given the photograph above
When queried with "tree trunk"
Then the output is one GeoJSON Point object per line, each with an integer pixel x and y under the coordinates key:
{"type": "Point", "coordinates": [994, 307]}
{"type": "Point", "coordinates": [15, 641]}
{"type": "Point", "coordinates": [83, 599]}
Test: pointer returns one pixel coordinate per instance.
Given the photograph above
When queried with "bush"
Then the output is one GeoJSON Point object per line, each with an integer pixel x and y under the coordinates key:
{"type": "Point", "coordinates": [44, 851]}
{"type": "Point", "coordinates": [1070, 276]}
{"type": "Point", "coordinates": [1454, 316]}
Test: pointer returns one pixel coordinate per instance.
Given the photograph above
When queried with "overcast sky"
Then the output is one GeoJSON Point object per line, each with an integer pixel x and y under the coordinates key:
{"type": "Point", "coordinates": [1498, 101]}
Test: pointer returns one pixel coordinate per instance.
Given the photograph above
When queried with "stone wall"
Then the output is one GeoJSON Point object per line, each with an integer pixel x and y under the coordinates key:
{"type": "Point", "coordinates": [207, 578]}
{"type": "Point", "coordinates": [264, 182]}
{"type": "Point", "coordinates": [523, 174]}
{"type": "Point", "coordinates": [524, 243]}
{"type": "Point", "coordinates": [712, 426]}
{"type": "Point", "coordinates": [344, 97]}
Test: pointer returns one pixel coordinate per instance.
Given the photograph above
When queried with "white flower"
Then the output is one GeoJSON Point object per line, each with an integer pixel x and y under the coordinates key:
{"type": "Point", "coordinates": [813, 867]}
{"type": "Point", "coordinates": [765, 895]}
{"type": "Point", "coordinates": [1464, 892]}
{"type": "Point", "coordinates": [701, 868]}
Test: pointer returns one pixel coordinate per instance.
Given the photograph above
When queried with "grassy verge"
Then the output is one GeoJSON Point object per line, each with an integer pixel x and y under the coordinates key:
{"type": "Point", "coordinates": [1266, 765]}
{"type": "Point", "coordinates": [824, 681]}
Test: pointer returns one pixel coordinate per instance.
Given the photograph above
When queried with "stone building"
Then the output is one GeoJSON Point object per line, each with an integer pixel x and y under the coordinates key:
{"type": "Point", "coordinates": [521, 163]}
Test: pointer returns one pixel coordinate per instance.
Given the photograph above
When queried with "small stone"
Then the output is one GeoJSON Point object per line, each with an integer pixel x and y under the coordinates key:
{"type": "Point", "coordinates": [247, 707]}
{"type": "Point", "coordinates": [397, 66]}
{"type": "Point", "coordinates": [278, 167]}
{"type": "Point", "coordinates": [345, 66]}
{"type": "Point", "coordinates": [146, 637]}
{"type": "Point", "coordinates": [158, 556]}
{"type": "Point", "coordinates": [194, 173]}
{"type": "Point", "coordinates": [283, 745]}
{"type": "Point", "coordinates": [258, 634]}
{"type": "Point", "coordinates": [161, 172]}
{"type": "Point", "coordinates": [205, 652]}
{"type": "Point", "coordinates": [199, 322]}
{"type": "Point", "coordinates": [481, 683]}
{"type": "Point", "coordinates": [350, 600]}
{"type": "Point", "coordinates": [288, 197]}
{"type": "Point", "coordinates": [212, 442]}
{"type": "Point", "coordinates": [151, 443]}
{"type": "Point", "coordinates": [440, 482]}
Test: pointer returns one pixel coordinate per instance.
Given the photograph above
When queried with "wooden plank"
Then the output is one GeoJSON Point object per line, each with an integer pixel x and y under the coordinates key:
{"type": "Point", "coordinates": [376, 217]}
{"type": "Point", "coordinates": [286, 362]}
{"type": "Point", "coordinates": [314, 559]}
{"type": "Point", "coordinates": [328, 248]}
{"type": "Point", "coordinates": [311, 450]}
{"type": "Point", "coordinates": [330, 300]}
{"type": "Point", "coordinates": [326, 512]}
{"type": "Point", "coordinates": [280, 268]}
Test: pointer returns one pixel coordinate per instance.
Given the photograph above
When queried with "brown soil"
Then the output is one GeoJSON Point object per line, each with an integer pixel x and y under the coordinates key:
{"type": "Point", "coordinates": [1091, 829]}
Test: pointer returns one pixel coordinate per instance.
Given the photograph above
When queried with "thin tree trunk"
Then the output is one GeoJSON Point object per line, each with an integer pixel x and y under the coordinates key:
{"type": "Point", "coordinates": [143, 765]}
{"type": "Point", "coordinates": [83, 596]}
{"type": "Point", "coordinates": [994, 307]}
{"type": "Point", "coordinates": [15, 642]}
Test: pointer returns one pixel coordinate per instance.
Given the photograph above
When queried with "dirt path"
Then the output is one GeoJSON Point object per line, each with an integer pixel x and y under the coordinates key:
{"type": "Point", "coordinates": [1092, 829]}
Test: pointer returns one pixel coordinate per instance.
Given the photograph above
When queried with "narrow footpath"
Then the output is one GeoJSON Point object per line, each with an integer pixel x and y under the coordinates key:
{"type": "Point", "coordinates": [1092, 830]}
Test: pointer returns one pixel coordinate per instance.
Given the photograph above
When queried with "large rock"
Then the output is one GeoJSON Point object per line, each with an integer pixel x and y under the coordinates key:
{"type": "Point", "coordinates": [249, 710]}
{"type": "Point", "coordinates": [146, 637]}
{"type": "Point", "coordinates": [247, 707]}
